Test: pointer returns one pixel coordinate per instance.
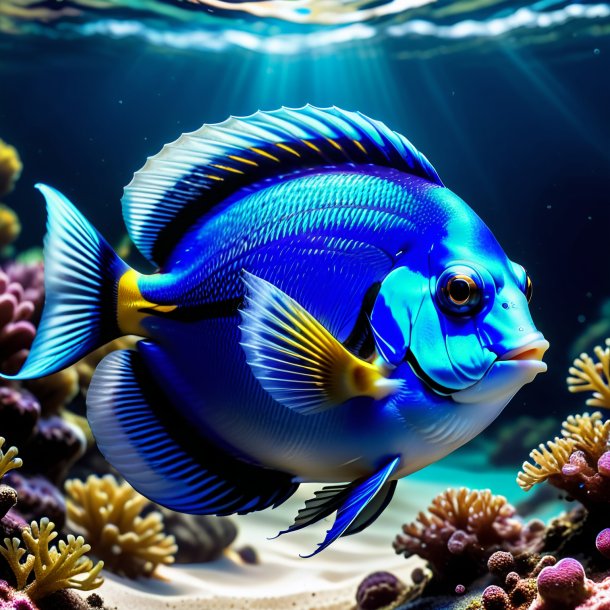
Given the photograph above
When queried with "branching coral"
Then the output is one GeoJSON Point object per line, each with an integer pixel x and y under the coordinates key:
{"type": "Point", "coordinates": [548, 460]}
{"type": "Point", "coordinates": [110, 514]}
{"type": "Point", "coordinates": [578, 464]}
{"type": "Point", "coordinates": [463, 528]}
{"type": "Point", "coordinates": [8, 459]}
{"type": "Point", "coordinates": [586, 375]}
{"type": "Point", "coordinates": [41, 570]}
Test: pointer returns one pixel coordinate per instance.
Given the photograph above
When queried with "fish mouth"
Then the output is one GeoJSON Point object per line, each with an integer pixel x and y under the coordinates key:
{"type": "Point", "coordinates": [534, 350]}
{"type": "Point", "coordinates": [507, 374]}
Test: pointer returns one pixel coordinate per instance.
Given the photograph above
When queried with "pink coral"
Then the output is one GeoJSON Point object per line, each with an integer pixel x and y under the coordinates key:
{"type": "Point", "coordinates": [16, 331]}
{"type": "Point", "coordinates": [563, 585]}
{"type": "Point", "coordinates": [602, 542]}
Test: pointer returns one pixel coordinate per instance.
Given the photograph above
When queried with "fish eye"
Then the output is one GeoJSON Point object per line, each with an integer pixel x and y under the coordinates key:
{"type": "Point", "coordinates": [459, 290]}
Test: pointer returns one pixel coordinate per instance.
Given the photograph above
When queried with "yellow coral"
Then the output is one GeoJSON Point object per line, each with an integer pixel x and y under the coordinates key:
{"type": "Point", "coordinates": [110, 514]}
{"type": "Point", "coordinates": [548, 460]}
{"type": "Point", "coordinates": [8, 460]}
{"type": "Point", "coordinates": [589, 433]}
{"type": "Point", "coordinates": [10, 167]}
{"type": "Point", "coordinates": [586, 375]}
{"type": "Point", "coordinates": [10, 227]}
{"type": "Point", "coordinates": [58, 567]}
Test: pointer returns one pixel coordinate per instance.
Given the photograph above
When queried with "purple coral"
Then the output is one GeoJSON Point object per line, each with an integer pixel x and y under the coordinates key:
{"type": "Point", "coordinates": [13, 600]}
{"type": "Point", "coordinates": [461, 531]}
{"type": "Point", "coordinates": [30, 276]}
{"type": "Point", "coordinates": [16, 331]}
{"type": "Point", "coordinates": [602, 542]}
{"type": "Point", "coordinates": [378, 590]}
{"type": "Point", "coordinates": [563, 585]}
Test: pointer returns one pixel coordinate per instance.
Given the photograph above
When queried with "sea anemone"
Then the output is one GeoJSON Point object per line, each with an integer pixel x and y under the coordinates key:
{"type": "Point", "coordinates": [110, 514]}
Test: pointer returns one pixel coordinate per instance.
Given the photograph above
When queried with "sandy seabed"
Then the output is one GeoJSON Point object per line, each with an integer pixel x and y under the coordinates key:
{"type": "Point", "coordinates": [283, 580]}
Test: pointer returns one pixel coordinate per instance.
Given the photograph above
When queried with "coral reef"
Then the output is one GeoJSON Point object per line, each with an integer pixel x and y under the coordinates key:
{"type": "Point", "coordinates": [461, 531]}
{"type": "Point", "coordinates": [10, 228]}
{"type": "Point", "coordinates": [10, 167]}
{"type": "Point", "coordinates": [29, 274]}
{"type": "Point", "coordinates": [40, 570]}
{"type": "Point", "coordinates": [578, 463]}
{"type": "Point", "coordinates": [110, 515]}
{"type": "Point", "coordinates": [586, 375]}
{"type": "Point", "coordinates": [201, 538]}
{"type": "Point", "coordinates": [379, 590]}
{"type": "Point", "coordinates": [16, 330]}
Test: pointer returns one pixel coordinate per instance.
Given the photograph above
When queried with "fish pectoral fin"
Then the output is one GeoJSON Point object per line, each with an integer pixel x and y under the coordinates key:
{"type": "Point", "coordinates": [358, 504]}
{"type": "Point", "coordinates": [297, 360]}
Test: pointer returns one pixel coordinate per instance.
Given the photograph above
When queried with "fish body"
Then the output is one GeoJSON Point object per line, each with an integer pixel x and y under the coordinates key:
{"type": "Point", "coordinates": [325, 310]}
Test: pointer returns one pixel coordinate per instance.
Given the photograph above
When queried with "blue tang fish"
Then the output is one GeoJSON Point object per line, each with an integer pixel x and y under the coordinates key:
{"type": "Point", "coordinates": [323, 309]}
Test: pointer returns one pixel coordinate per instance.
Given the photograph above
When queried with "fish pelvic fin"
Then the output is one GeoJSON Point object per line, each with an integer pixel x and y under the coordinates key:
{"type": "Point", "coordinates": [357, 504]}
{"type": "Point", "coordinates": [82, 279]}
{"type": "Point", "coordinates": [297, 360]}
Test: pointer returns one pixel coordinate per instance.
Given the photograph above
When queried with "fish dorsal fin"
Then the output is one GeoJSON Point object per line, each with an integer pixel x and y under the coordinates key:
{"type": "Point", "coordinates": [200, 169]}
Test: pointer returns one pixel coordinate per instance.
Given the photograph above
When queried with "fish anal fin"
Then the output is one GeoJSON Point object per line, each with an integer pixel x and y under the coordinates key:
{"type": "Point", "coordinates": [297, 360]}
{"type": "Point", "coordinates": [153, 446]}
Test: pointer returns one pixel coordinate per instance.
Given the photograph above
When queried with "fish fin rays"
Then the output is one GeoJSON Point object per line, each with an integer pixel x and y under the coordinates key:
{"type": "Point", "coordinates": [192, 175]}
{"type": "Point", "coordinates": [81, 275]}
{"type": "Point", "coordinates": [150, 444]}
{"type": "Point", "coordinates": [357, 505]}
{"type": "Point", "coordinates": [296, 360]}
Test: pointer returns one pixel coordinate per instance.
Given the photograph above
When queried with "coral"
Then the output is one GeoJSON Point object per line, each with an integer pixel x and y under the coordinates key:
{"type": "Point", "coordinates": [16, 331]}
{"type": "Point", "coordinates": [37, 498]}
{"type": "Point", "coordinates": [10, 167]}
{"type": "Point", "coordinates": [86, 367]}
{"type": "Point", "coordinates": [10, 227]}
{"type": "Point", "coordinates": [379, 590]}
{"type": "Point", "coordinates": [586, 375]}
{"type": "Point", "coordinates": [577, 464]}
{"type": "Point", "coordinates": [8, 460]}
{"type": "Point", "coordinates": [463, 528]}
{"type": "Point", "coordinates": [549, 460]}
{"type": "Point", "coordinates": [29, 274]}
{"type": "Point", "coordinates": [13, 600]}
{"type": "Point", "coordinates": [110, 514]}
{"type": "Point", "coordinates": [199, 538]}
{"type": "Point", "coordinates": [19, 414]}
{"type": "Point", "coordinates": [55, 391]}
{"type": "Point", "coordinates": [602, 542]}
{"type": "Point", "coordinates": [562, 585]}
{"type": "Point", "coordinates": [55, 445]}
{"type": "Point", "coordinates": [53, 568]}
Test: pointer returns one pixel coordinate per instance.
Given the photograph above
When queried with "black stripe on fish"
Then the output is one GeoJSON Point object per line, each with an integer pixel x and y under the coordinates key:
{"type": "Point", "coordinates": [433, 385]}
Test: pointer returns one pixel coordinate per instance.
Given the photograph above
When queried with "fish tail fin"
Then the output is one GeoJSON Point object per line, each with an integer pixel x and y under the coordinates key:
{"type": "Point", "coordinates": [82, 273]}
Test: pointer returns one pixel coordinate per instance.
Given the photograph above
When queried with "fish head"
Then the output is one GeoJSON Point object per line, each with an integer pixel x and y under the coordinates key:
{"type": "Point", "coordinates": [456, 310]}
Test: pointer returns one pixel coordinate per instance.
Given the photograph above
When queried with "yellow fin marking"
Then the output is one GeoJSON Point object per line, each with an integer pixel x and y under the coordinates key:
{"type": "Point", "coordinates": [264, 153]}
{"type": "Point", "coordinates": [228, 168]}
{"type": "Point", "coordinates": [130, 302]}
{"type": "Point", "coordinates": [359, 145]}
{"type": "Point", "coordinates": [213, 177]}
{"type": "Point", "coordinates": [311, 145]}
{"type": "Point", "coordinates": [242, 160]}
{"type": "Point", "coordinates": [288, 149]}
{"type": "Point", "coordinates": [334, 143]}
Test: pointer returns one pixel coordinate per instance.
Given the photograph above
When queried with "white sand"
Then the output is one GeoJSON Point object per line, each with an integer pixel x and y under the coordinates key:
{"type": "Point", "coordinates": [283, 580]}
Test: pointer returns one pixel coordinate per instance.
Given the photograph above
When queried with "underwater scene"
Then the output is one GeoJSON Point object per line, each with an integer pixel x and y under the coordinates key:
{"type": "Point", "coordinates": [304, 304]}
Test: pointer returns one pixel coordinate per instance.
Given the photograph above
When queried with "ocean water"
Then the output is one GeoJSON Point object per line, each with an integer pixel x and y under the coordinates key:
{"type": "Point", "coordinates": [510, 101]}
